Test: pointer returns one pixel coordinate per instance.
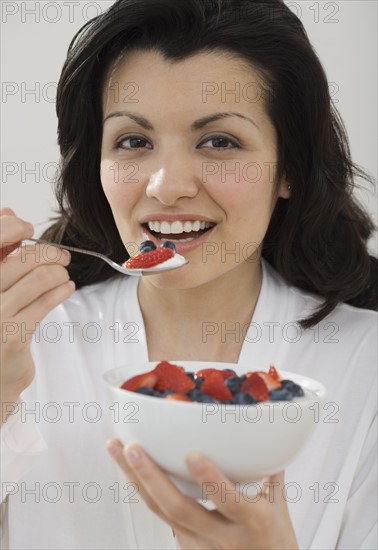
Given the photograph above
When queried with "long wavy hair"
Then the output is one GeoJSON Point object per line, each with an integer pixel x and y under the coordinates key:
{"type": "Point", "coordinates": [316, 240]}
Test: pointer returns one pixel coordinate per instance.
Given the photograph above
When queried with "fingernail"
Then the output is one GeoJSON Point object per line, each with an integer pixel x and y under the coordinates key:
{"type": "Point", "coordinates": [196, 462]}
{"type": "Point", "coordinates": [30, 228]}
{"type": "Point", "coordinates": [132, 455]}
{"type": "Point", "coordinates": [7, 211]}
{"type": "Point", "coordinates": [66, 254]}
{"type": "Point", "coordinates": [114, 449]}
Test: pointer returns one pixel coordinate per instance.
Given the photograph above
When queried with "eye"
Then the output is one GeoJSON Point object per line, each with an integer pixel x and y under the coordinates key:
{"type": "Point", "coordinates": [220, 142]}
{"type": "Point", "coordinates": [133, 142]}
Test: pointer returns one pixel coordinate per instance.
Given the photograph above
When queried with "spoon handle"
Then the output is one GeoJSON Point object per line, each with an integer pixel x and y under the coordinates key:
{"type": "Point", "coordinates": [73, 249]}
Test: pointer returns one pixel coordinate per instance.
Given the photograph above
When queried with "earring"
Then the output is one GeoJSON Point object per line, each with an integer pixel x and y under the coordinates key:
{"type": "Point", "coordinates": [289, 187]}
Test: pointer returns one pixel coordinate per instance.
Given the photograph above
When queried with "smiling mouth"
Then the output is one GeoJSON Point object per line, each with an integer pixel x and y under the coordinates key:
{"type": "Point", "coordinates": [178, 231]}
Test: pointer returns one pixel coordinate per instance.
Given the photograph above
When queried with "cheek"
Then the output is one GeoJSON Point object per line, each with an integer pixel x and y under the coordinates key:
{"type": "Point", "coordinates": [120, 182]}
{"type": "Point", "coordinates": [241, 188]}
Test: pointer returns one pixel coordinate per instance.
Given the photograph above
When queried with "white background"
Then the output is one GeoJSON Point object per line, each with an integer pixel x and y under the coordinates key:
{"type": "Point", "coordinates": [35, 38]}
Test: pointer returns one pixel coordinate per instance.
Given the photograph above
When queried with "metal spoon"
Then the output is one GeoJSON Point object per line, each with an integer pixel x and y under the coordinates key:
{"type": "Point", "coordinates": [114, 265]}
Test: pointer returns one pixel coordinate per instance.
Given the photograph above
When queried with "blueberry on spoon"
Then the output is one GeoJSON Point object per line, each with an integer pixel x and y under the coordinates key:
{"type": "Point", "coordinates": [168, 244]}
{"type": "Point", "coordinates": [147, 246]}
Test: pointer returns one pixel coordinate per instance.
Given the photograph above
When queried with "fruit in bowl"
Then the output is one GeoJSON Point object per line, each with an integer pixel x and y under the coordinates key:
{"type": "Point", "coordinates": [247, 441]}
{"type": "Point", "coordinates": [212, 385]}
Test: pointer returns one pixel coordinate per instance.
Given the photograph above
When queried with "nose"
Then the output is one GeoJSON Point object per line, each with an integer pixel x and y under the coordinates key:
{"type": "Point", "coordinates": [173, 180]}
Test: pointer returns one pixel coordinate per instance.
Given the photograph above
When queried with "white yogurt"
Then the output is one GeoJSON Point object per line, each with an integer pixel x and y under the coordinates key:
{"type": "Point", "coordinates": [176, 261]}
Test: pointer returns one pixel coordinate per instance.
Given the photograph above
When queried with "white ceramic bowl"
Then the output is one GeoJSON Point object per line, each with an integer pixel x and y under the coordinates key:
{"type": "Point", "coordinates": [247, 442]}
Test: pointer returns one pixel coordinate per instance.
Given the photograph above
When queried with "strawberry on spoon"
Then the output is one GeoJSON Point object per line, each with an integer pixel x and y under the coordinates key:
{"type": "Point", "coordinates": [150, 256]}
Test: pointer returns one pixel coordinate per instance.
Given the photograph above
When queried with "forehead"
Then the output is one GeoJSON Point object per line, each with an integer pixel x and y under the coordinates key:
{"type": "Point", "coordinates": [203, 80]}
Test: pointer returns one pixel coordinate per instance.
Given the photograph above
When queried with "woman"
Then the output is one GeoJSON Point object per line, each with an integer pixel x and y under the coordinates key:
{"type": "Point", "coordinates": [214, 112]}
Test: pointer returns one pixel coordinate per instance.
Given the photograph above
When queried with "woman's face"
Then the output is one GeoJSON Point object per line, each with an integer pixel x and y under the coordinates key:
{"type": "Point", "coordinates": [190, 141]}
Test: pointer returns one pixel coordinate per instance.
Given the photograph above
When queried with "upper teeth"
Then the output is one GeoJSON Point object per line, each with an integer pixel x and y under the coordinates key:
{"type": "Point", "coordinates": [178, 226]}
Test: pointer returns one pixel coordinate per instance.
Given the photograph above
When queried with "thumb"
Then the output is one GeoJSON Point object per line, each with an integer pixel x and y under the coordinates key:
{"type": "Point", "coordinates": [7, 212]}
{"type": "Point", "coordinates": [274, 486]}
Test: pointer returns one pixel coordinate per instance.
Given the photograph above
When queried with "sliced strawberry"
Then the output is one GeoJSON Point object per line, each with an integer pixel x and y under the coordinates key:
{"type": "Point", "coordinates": [163, 365]}
{"type": "Point", "coordinates": [149, 259]}
{"type": "Point", "coordinates": [271, 383]}
{"type": "Point", "coordinates": [177, 397]}
{"type": "Point", "coordinates": [205, 373]}
{"type": "Point", "coordinates": [172, 377]}
{"type": "Point", "coordinates": [214, 386]}
{"type": "Point", "coordinates": [147, 379]}
{"type": "Point", "coordinates": [273, 372]}
{"type": "Point", "coordinates": [256, 386]}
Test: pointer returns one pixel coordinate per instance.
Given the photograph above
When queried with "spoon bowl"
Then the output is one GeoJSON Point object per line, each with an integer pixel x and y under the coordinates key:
{"type": "Point", "coordinates": [126, 271]}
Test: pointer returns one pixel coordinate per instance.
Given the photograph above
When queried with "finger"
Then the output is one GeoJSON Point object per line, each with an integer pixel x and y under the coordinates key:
{"type": "Point", "coordinates": [12, 231]}
{"type": "Point", "coordinates": [7, 249]}
{"type": "Point", "coordinates": [276, 494]}
{"type": "Point", "coordinates": [225, 494]}
{"type": "Point", "coordinates": [33, 288]}
{"type": "Point", "coordinates": [28, 258]}
{"type": "Point", "coordinates": [31, 316]}
{"type": "Point", "coordinates": [115, 449]}
{"type": "Point", "coordinates": [183, 510]}
{"type": "Point", "coordinates": [273, 486]}
{"type": "Point", "coordinates": [193, 541]}
{"type": "Point", "coordinates": [7, 212]}
{"type": "Point", "coordinates": [163, 497]}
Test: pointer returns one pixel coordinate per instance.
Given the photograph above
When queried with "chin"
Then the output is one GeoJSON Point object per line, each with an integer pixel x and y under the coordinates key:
{"type": "Point", "coordinates": [184, 278]}
{"type": "Point", "coordinates": [190, 276]}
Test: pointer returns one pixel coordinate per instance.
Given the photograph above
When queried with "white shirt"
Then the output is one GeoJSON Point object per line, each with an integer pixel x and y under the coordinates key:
{"type": "Point", "coordinates": [65, 492]}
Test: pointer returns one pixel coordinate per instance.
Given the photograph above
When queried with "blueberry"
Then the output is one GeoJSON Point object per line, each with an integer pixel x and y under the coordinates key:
{"type": "Point", "coordinates": [166, 392]}
{"type": "Point", "coordinates": [191, 375]}
{"type": "Point", "coordinates": [293, 388]}
{"type": "Point", "coordinates": [168, 244]}
{"type": "Point", "coordinates": [298, 391]}
{"type": "Point", "coordinates": [194, 393]}
{"type": "Point", "coordinates": [146, 391]}
{"type": "Point", "coordinates": [147, 246]}
{"type": "Point", "coordinates": [281, 394]}
{"type": "Point", "coordinates": [230, 370]}
{"type": "Point", "coordinates": [199, 381]}
{"type": "Point", "coordinates": [243, 377]}
{"type": "Point", "coordinates": [234, 384]}
{"type": "Point", "coordinates": [244, 398]}
{"type": "Point", "coordinates": [201, 397]}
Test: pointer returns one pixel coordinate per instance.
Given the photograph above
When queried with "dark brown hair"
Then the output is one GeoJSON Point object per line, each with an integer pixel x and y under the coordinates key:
{"type": "Point", "coordinates": [317, 239]}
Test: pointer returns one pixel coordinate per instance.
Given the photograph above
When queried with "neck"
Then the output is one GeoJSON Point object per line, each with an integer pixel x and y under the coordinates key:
{"type": "Point", "coordinates": [201, 323]}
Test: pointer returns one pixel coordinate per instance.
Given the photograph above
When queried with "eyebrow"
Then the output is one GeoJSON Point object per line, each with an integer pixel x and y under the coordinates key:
{"type": "Point", "coordinates": [200, 123]}
{"type": "Point", "coordinates": [136, 118]}
{"type": "Point", "coordinates": [196, 125]}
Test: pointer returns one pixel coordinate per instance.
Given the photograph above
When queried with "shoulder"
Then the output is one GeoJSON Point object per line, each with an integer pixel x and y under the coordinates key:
{"type": "Point", "coordinates": [344, 342]}
{"type": "Point", "coordinates": [302, 304]}
{"type": "Point", "coordinates": [340, 351]}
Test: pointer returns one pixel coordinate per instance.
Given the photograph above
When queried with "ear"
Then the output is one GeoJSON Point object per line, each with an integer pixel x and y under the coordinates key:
{"type": "Point", "coordinates": [285, 189]}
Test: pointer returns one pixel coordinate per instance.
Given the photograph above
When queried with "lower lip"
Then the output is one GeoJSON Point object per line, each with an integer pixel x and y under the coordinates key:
{"type": "Point", "coordinates": [182, 247]}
